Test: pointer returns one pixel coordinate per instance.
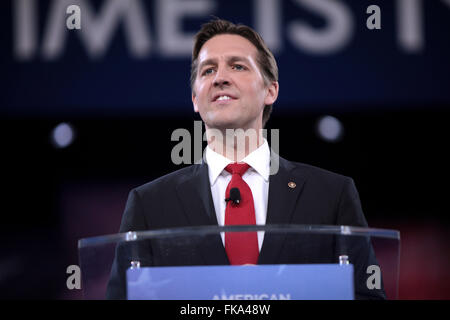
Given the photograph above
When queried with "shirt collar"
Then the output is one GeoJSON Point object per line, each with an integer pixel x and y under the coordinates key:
{"type": "Point", "coordinates": [258, 160]}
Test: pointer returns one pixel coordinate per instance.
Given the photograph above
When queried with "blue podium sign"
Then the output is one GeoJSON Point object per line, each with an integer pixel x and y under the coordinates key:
{"type": "Point", "coordinates": [261, 282]}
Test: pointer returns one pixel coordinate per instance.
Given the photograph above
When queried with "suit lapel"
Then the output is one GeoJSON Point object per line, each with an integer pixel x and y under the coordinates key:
{"type": "Point", "coordinates": [284, 190]}
{"type": "Point", "coordinates": [194, 193]}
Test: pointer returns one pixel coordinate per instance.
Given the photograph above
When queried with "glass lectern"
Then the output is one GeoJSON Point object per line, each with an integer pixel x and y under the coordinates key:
{"type": "Point", "coordinates": [295, 262]}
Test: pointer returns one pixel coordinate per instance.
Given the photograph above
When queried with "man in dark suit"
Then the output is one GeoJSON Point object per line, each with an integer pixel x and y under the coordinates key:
{"type": "Point", "coordinates": [234, 80]}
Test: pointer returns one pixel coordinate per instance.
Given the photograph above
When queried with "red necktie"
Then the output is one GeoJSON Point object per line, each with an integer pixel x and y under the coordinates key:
{"type": "Point", "coordinates": [241, 247]}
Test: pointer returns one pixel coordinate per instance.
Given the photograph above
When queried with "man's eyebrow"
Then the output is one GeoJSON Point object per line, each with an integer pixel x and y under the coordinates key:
{"type": "Point", "coordinates": [229, 60]}
{"type": "Point", "coordinates": [206, 63]}
{"type": "Point", "coordinates": [237, 58]}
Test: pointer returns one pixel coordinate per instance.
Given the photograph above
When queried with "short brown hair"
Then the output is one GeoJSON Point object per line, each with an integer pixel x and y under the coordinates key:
{"type": "Point", "coordinates": [266, 60]}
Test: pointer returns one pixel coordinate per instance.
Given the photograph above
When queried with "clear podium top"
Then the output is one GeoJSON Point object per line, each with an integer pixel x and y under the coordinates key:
{"type": "Point", "coordinates": [208, 230]}
{"type": "Point", "coordinates": [373, 253]}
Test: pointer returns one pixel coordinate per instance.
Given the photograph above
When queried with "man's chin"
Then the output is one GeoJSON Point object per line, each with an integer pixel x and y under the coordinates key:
{"type": "Point", "coordinates": [222, 126]}
{"type": "Point", "coordinates": [223, 123]}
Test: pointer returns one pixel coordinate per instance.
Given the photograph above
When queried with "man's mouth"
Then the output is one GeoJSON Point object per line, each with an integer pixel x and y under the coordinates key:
{"type": "Point", "coordinates": [224, 97]}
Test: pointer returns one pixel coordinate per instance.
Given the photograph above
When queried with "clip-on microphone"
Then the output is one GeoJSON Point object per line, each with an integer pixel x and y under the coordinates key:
{"type": "Point", "coordinates": [235, 196]}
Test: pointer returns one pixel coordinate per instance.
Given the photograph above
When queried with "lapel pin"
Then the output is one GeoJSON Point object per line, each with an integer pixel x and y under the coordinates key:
{"type": "Point", "coordinates": [292, 184]}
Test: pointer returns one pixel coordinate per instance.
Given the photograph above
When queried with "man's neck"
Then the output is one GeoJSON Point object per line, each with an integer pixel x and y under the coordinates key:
{"type": "Point", "coordinates": [234, 144]}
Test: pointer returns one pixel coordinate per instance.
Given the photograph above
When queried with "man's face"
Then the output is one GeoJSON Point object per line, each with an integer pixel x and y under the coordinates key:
{"type": "Point", "coordinates": [229, 90]}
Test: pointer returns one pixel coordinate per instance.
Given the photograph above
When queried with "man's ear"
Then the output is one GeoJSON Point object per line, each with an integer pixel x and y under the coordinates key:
{"type": "Point", "coordinates": [272, 93]}
{"type": "Point", "coordinates": [194, 101]}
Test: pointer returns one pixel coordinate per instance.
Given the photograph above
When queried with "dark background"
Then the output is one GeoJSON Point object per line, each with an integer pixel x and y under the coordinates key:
{"type": "Point", "coordinates": [393, 105]}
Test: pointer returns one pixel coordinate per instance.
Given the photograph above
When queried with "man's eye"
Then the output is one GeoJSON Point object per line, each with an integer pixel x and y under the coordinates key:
{"type": "Point", "coordinates": [239, 67]}
{"type": "Point", "coordinates": [208, 71]}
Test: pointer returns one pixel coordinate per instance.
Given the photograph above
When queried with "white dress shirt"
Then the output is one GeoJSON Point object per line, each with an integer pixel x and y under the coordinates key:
{"type": "Point", "coordinates": [257, 177]}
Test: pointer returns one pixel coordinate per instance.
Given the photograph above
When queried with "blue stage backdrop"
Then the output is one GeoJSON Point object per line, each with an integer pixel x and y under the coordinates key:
{"type": "Point", "coordinates": [132, 57]}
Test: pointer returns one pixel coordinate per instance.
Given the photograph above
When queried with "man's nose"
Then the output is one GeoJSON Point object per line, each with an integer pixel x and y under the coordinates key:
{"type": "Point", "coordinates": [222, 78]}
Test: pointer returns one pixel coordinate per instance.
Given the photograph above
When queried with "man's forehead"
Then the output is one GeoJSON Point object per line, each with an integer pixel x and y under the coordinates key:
{"type": "Point", "coordinates": [227, 46]}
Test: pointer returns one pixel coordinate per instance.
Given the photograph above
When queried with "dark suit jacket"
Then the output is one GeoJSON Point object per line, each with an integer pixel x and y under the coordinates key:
{"type": "Point", "coordinates": [183, 198]}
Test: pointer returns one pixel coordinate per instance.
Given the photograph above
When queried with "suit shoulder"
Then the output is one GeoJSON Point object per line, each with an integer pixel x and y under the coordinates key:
{"type": "Point", "coordinates": [317, 173]}
{"type": "Point", "coordinates": [167, 181]}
